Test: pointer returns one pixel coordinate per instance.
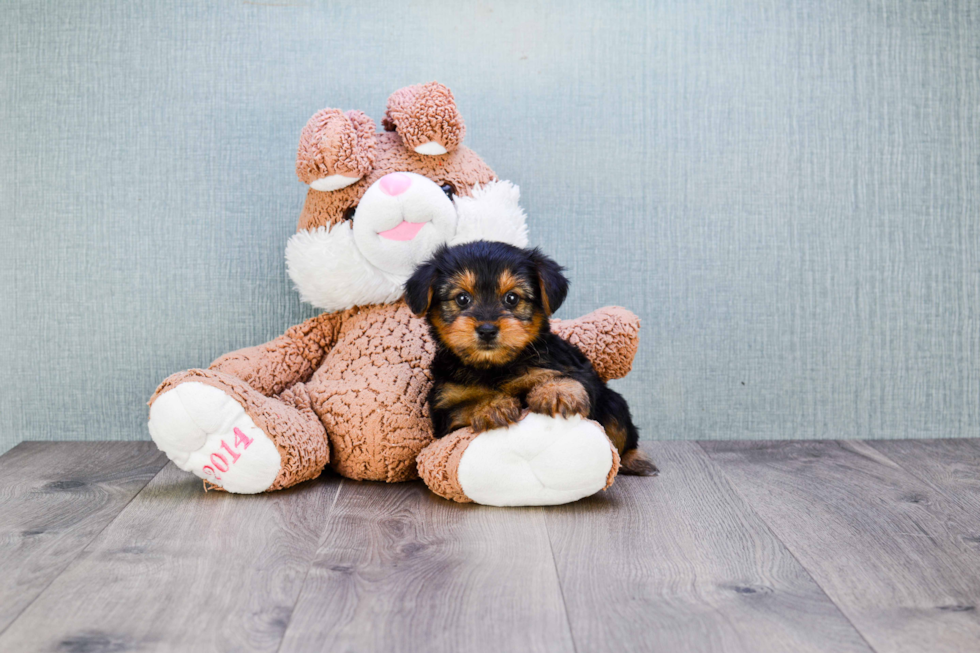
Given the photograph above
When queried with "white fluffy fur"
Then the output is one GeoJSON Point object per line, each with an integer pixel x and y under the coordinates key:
{"type": "Point", "coordinates": [331, 273]}
{"type": "Point", "coordinates": [493, 213]}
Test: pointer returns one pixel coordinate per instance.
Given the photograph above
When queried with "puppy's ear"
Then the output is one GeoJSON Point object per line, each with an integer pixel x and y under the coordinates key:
{"type": "Point", "coordinates": [419, 288]}
{"type": "Point", "coordinates": [552, 284]}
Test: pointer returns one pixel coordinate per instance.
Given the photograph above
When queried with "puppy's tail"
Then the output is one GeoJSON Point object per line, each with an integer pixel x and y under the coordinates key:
{"type": "Point", "coordinates": [636, 463]}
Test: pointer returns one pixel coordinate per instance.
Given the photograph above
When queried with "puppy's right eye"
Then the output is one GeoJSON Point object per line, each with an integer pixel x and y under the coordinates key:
{"type": "Point", "coordinates": [463, 300]}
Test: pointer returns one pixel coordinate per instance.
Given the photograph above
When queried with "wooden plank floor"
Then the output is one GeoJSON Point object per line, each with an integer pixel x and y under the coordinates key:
{"type": "Point", "coordinates": [737, 546]}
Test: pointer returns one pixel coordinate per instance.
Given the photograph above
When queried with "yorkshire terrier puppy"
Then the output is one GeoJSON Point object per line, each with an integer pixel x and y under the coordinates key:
{"type": "Point", "coordinates": [487, 305]}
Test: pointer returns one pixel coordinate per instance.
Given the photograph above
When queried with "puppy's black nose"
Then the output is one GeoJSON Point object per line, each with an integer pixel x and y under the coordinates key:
{"type": "Point", "coordinates": [487, 331]}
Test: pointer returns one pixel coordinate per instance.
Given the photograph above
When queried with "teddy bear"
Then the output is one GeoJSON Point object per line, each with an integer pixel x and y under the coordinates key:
{"type": "Point", "coordinates": [347, 389]}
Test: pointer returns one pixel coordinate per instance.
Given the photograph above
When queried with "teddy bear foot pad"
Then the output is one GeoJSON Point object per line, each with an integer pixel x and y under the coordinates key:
{"type": "Point", "coordinates": [539, 461]}
{"type": "Point", "coordinates": [208, 433]}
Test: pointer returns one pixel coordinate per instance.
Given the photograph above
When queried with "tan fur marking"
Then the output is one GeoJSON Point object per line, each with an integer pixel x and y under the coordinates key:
{"type": "Point", "coordinates": [509, 281]}
{"type": "Point", "coordinates": [452, 394]}
{"type": "Point", "coordinates": [461, 337]}
{"type": "Point", "coordinates": [515, 334]}
{"type": "Point", "coordinates": [565, 397]}
{"type": "Point", "coordinates": [636, 463]}
{"type": "Point", "coordinates": [616, 434]}
{"type": "Point", "coordinates": [526, 382]}
{"type": "Point", "coordinates": [465, 280]}
{"type": "Point", "coordinates": [491, 357]}
{"type": "Point", "coordinates": [494, 411]}
{"type": "Point", "coordinates": [437, 321]}
{"type": "Point", "coordinates": [544, 298]}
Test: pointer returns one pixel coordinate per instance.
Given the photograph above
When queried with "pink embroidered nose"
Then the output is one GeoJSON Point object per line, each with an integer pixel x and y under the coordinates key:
{"type": "Point", "coordinates": [395, 183]}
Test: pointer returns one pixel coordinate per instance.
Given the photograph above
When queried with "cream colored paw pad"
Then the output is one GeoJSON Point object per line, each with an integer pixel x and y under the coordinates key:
{"type": "Point", "coordinates": [206, 432]}
{"type": "Point", "coordinates": [539, 461]}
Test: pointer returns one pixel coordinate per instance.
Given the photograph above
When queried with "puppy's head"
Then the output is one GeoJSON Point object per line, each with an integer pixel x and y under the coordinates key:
{"type": "Point", "coordinates": [487, 301]}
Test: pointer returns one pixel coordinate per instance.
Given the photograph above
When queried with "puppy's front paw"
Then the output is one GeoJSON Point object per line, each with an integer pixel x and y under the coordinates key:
{"type": "Point", "coordinates": [564, 397]}
{"type": "Point", "coordinates": [495, 413]}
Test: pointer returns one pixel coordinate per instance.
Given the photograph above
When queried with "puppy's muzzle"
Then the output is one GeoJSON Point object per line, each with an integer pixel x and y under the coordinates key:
{"type": "Point", "coordinates": [487, 332]}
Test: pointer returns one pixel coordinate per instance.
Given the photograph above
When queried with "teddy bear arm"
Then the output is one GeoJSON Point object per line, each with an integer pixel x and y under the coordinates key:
{"type": "Point", "coordinates": [291, 358]}
{"type": "Point", "coordinates": [608, 336]}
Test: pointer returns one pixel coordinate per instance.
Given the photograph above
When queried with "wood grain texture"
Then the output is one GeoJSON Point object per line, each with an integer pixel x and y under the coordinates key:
{"type": "Point", "coordinates": [894, 553]}
{"type": "Point", "coordinates": [181, 570]}
{"type": "Point", "coordinates": [400, 569]}
{"type": "Point", "coordinates": [55, 498]}
{"type": "Point", "coordinates": [680, 563]}
{"type": "Point", "coordinates": [777, 546]}
{"type": "Point", "coordinates": [951, 466]}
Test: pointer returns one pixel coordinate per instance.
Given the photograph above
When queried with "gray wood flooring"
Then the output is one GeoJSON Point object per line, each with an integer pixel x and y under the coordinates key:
{"type": "Point", "coordinates": [737, 546]}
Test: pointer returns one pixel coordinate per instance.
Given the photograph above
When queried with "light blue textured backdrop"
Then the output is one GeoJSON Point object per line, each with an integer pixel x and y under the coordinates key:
{"type": "Point", "coordinates": [788, 193]}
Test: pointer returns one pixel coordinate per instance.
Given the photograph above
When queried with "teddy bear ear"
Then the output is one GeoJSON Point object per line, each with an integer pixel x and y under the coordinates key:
{"type": "Point", "coordinates": [426, 118]}
{"type": "Point", "coordinates": [336, 149]}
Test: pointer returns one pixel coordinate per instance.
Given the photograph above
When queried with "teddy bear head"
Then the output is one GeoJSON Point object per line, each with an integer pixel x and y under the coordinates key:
{"type": "Point", "coordinates": [380, 204]}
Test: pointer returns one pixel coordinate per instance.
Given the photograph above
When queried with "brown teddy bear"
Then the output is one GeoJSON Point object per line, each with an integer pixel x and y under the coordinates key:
{"type": "Point", "coordinates": [348, 388]}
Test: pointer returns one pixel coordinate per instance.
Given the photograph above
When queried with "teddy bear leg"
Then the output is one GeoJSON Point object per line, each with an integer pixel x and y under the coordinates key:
{"type": "Point", "coordinates": [539, 461]}
{"type": "Point", "coordinates": [219, 428]}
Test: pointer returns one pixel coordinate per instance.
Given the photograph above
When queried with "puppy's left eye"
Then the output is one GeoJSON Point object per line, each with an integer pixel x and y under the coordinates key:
{"type": "Point", "coordinates": [448, 189]}
{"type": "Point", "coordinates": [511, 299]}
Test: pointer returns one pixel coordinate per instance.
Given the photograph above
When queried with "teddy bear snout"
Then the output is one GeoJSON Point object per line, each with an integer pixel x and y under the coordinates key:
{"type": "Point", "coordinates": [395, 183]}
